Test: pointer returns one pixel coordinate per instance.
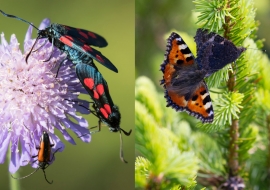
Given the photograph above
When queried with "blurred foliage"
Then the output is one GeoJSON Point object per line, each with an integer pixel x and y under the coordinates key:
{"type": "Point", "coordinates": [246, 102]}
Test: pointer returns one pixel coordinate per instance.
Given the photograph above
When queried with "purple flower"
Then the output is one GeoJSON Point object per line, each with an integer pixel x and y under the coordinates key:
{"type": "Point", "coordinates": [33, 99]}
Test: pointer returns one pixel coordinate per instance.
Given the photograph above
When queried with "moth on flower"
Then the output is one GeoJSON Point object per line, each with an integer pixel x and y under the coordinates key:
{"type": "Point", "coordinates": [33, 99]}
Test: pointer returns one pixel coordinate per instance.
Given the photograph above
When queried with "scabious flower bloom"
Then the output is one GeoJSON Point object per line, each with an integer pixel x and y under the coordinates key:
{"type": "Point", "coordinates": [33, 99]}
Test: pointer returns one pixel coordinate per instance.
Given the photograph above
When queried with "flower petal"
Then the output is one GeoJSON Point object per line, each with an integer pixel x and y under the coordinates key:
{"type": "Point", "coordinates": [44, 24]}
{"type": "Point", "coordinates": [5, 140]}
{"type": "Point", "coordinates": [14, 164]}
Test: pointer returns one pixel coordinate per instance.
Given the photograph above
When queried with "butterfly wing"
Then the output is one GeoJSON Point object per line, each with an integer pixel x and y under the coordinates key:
{"type": "Point", "coordinates": [86, 37]}
{"type": "Point", "coordinates": [185, 89]}
{"type": "Point", "coordinates": [214, 51]}
{"type": "Point", "coordinates": [97, 88]}
{"type": "Point", "coordinates": [86, 49]}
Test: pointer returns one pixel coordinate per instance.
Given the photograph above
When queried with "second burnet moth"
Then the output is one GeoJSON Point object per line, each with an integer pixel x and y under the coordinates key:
{"type": "Point", "coordinates": [44, 156]}
{"type": "Point", "coordinates": [104, 108]}
{"type": "Point", "coordinates": [74, 42]}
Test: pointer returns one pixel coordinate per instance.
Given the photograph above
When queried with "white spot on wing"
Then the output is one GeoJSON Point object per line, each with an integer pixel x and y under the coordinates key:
{"type": "Point", "coordinates": [207, 105]}
{"type": "Point", "coordinates": [187, 55]}
{"type": "Point", "coordinates": [206, 94]}
{"type": "Point", "coordinates": [183, 46]}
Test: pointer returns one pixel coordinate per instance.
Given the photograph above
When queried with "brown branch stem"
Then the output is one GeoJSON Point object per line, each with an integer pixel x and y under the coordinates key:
{"type": "Point", "coordinates": [233, 162]}
{"type": "Point", "coordinates": [233, 148]}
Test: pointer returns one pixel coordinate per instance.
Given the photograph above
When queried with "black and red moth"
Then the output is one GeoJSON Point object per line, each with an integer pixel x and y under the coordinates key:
{"type": "Point", "coordinates": [74, 42]}
{"type": "Point", "coordinates": [104, 108]}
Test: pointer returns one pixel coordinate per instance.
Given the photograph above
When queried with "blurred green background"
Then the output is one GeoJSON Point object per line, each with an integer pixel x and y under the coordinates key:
{"type": "Point", "coordinates": [95, 165]}
{"type": "Point", "coordinates": [156, 18]}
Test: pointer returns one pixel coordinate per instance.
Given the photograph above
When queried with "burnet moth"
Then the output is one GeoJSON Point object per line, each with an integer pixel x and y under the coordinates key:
{"type": "Point", "coordinates": [74, 42]}
{"type": "Point", "coordinates": [43, 156]}
{"type": "Point", "coordinates": [104, 108]}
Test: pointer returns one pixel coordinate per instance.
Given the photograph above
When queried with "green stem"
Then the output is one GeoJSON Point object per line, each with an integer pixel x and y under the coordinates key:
{"type": "Point", "coordinates": [13, 183]}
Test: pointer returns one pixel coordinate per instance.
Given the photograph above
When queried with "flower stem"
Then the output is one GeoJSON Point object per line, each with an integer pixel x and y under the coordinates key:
{"type": "Point", "coordinates": [13, 183]}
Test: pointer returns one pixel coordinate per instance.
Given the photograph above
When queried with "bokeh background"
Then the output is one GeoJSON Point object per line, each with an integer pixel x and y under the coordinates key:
{"type": "Point", "coordinates": [157, 18]}
{"type": "Point", "coordinates": [95, 165]}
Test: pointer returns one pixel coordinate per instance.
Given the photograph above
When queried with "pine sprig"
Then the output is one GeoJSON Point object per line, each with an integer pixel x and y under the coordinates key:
{"type": "Point", "coordinates": [212, 14]}
{"type": "Point", "coordinates": [145, 92]}
{"type": "Point", "coordinates": [169, 161]}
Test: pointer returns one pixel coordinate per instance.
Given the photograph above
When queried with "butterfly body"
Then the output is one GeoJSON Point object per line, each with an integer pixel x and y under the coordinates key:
{"type": "Point", "coordinates": [183, 74]}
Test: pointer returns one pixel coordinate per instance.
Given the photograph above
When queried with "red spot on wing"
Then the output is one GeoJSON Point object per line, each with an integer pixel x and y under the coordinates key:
{"type": "Point", "coordinates": [104, 113]}
{"type": "Point", "coordinates": [96, 96]}
{"type": "Point", "coordinates": [83, 34]}
{"type": "Point", "coordinates": [86, 47]}
{"type": "Point", "coordinates": [92, 35]}
{"type": "Point", "coordinates": [100, 89]}
{"type": "Point", "coordinates": [108, 108]}
{"type": "Point", "coordinates": [66, 40]}
{"type": "Point", "coordinates": [81, 40]}
{"type": "Point", "coordinates": [67, 27]}
{"type": "Point", "coordinates": [99, 58]}
{"type": "Point", "coordinates": [89, 82]}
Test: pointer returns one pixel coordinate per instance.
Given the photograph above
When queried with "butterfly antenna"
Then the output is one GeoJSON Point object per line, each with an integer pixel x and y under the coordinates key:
{"type": "Point", "coordinates": [121, 149]}
{"type": "Point", "coordinates": [26, 175]}
{"type": "Point", "coordinates": [12, 16]}
{"type": "Point", "coordinates": [46, 177]}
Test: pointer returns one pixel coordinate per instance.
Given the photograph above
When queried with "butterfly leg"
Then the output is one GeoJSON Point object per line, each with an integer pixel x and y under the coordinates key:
{"type": "Point", "coordinates": [39, 47]}
{"type": "Point", "coordinates": [26, 58]}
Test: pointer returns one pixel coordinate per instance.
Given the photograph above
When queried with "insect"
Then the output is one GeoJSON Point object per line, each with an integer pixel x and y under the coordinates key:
{"type": "Point", "coordinates": [183, 75]}
{"type": "Point", "coordinates": [104, 108]}
{"type": "Point", "coordinates": [43, 156]}
{"type": "Point", "coordinates": [74, 42]}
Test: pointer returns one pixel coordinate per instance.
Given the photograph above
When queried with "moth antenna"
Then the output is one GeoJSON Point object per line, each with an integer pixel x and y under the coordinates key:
{"type": "Point", "coordinates": [263, 50]}
{"type": "Point", "coordinates": [121, 149]}
{"type": "Point", "coordinates": [12, 16]}
{"type": "Point", "coordinates": [26, 175]}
